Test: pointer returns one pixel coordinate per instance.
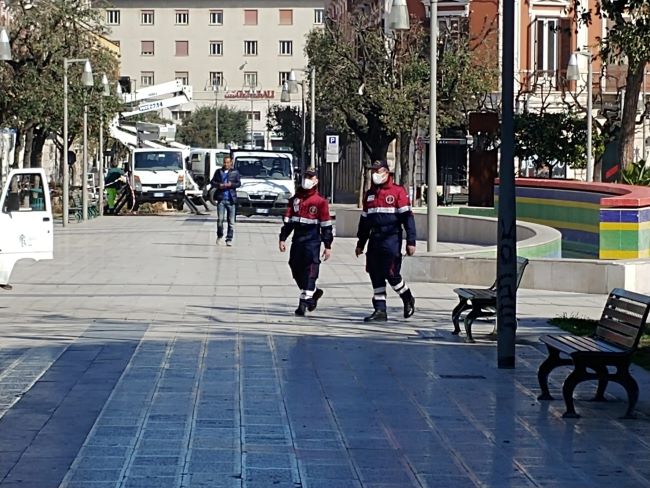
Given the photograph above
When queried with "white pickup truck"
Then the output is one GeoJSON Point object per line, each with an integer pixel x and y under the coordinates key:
{"type": "Point", "coordinates": [267, 181]}
{"type": "Point", "coordinates": [26, 229]}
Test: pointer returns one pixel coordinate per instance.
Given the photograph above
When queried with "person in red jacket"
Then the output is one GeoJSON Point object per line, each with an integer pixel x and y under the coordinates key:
{"type": "Point", "coordinates": [308, 217]}
{"type": "Point", "coordinates": [386, 210]}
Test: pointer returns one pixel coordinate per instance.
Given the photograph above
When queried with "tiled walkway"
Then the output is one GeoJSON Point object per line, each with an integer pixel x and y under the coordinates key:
{"type": "Point", "coordinates": [146, 356]}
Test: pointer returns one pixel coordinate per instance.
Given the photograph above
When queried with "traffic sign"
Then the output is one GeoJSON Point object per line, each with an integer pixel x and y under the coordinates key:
{"type": "Point", "coordinates": [332, 149]}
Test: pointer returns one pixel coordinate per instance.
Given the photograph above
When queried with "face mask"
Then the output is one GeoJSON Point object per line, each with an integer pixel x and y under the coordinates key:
{"type": "Point", "coordinates": [308, 184]}
{"type": "Point", "coordinates": [379, 178]}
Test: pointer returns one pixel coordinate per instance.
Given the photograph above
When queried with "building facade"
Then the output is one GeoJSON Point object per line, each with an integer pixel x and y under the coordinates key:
{"type": "Point", "coordinates": [236, 53]}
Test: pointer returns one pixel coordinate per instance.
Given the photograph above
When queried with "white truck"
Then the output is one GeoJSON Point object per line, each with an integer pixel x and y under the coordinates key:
{"type": "Point", "coordinates": [267, 181]}
{"type": "Point", "coordinates": [158, 175]}
{"type": "Point", "coordinates": [203, 163]}
{"type": "Point", "coordinates": [26, 229]}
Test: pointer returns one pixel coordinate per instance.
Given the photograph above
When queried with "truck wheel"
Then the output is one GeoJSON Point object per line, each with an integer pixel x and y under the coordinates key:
{"type": "Point", "coordinates": [179, 205]}
{"type": "Point", "coordinates": [212, 196]}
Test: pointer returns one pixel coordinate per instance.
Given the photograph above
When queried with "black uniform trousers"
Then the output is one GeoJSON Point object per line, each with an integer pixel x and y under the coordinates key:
{"type": "Point", "coordinates": [304, 261]}
{"type": "Point", "coordinates": [384, 263]}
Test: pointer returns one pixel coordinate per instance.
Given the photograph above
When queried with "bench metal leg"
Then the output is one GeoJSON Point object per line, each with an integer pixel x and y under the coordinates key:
{"type": "Point", "coordinates": [576, 377]}
{"type": "Point", "coordinates": [603, 374]}
{"type": "Point", "coordinates": [455, 314]}
{"type": "Point", "coordinates": [469, 319]}
{"type": "Point", "coordinates": [550, 363]}
{"type": "Point", "coordinates": [625, 379]}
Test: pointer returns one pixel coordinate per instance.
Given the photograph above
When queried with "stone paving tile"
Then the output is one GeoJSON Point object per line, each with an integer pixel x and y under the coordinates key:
{"type": "Point", "coordinates": [227, 388]}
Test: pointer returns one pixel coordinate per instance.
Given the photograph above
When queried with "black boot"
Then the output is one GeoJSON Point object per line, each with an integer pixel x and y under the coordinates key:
{"type": "Point", "coordinates": [409, 303]}
{"type": "Point", "coordinates": [377, 316]}
{"type": "Point", "coordinates": [314, 301]}
{"type": "Point", "coordinates": [300, 311]}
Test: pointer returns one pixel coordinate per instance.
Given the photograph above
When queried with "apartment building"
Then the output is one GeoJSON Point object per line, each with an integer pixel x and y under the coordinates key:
{"type": "Point", "coordinates": [244, 48]}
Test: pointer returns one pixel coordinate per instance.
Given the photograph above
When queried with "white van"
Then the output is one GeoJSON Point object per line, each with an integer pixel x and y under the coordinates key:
{"type": "Point", "coordinates": [158, 176]}
{"type": "Point", "coordinates": [26, 229]}
{"type": "Point", "coordinates": [203, 163]}
{"type": "Point", "coordinates": [267, 179]}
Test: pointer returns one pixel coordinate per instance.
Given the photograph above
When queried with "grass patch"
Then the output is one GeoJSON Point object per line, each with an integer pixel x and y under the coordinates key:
{"type": "Point", "coordinates": [585, 327]}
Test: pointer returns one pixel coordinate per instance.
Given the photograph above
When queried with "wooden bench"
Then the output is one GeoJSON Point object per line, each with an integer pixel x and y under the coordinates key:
{"type": "Point", "coordinates": [617, 337]}
{"type": "Point", "coordinates": [481, 301]}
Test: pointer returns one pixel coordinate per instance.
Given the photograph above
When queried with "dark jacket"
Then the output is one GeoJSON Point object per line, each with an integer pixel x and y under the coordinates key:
{"type": "Point", "coordinates": [235, 182]}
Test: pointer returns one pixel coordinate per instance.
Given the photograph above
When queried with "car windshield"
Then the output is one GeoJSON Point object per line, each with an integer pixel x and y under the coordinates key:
{"type": "Point", "coordinates": [275, 167]}
{"type": "Point", "coordinates": [163, 160]}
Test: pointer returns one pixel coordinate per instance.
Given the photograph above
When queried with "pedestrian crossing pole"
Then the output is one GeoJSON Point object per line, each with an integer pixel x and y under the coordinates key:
{"type": "Point", "coordinates": [507, 230]}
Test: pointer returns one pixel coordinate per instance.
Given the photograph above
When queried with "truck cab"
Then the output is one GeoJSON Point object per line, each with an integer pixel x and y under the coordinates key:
{"type": "Point", "coordinates": [26, 228]}
{"type": "Point", "coordinates": [158, 176]}
{"type": "Point", "coordinates": [203, 163]}
{"type": "Point", "coordinates": [267, 181]}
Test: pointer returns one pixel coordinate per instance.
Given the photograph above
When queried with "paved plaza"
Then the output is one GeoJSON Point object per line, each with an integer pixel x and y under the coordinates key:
{"type": "Point", "coordinates": [144, 356]}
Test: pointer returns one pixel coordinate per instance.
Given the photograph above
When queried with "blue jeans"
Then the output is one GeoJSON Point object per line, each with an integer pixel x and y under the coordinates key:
{"type": "Point", "coordinates": [226, 209]}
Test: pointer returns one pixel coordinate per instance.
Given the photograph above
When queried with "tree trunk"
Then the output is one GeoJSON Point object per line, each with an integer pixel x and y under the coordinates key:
{"type": "Point", "coordinates": [633, 82]}
{"type": "Point", "coordinates": [17, 147]}
{"type": "Point", "coordinates": [27, 156]}
{"type": "Point", "coordinates": [38, 142]}
{"type": "Point", "coordinates": [405, 166]}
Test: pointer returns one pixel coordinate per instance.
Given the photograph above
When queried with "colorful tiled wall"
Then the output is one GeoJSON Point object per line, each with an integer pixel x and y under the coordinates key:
{"type": "Point", "coordinates": [596, 220]}
{"type": "Point", "coordinates": [624, 233]}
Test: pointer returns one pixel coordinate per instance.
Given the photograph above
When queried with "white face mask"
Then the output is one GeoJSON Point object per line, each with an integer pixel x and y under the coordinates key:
{"type": "Point", "coordinates": [308, 183]}
{"type": "Point", "coordinates": [379, 178]}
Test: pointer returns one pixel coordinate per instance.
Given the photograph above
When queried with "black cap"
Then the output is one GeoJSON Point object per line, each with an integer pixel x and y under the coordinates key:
{"type": "Point", "coordinates": [310, 173]}
{"type": "Point", "coordinates": [380, 164]}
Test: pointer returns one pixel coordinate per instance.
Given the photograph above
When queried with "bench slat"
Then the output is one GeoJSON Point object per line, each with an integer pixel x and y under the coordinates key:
{"type": "Point", "coordinates": [617, 339]}
{"type": "Point", "coordinates": [626, 305]}
{"type": "Point", "coordinates": [618, 328]}
{"type": "Point", "coordinates": [569, 344]}
{"type": "Point", "coordinates": [623, 316]}
{"type": "Point", "coordinates": [630, 295]}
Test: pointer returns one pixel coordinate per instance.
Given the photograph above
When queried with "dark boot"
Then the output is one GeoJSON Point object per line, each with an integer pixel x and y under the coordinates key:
{"type": "Point", "coordinates": [302, 307]}
{"type": "Point", "coordinates": [409, 303]}
{"type": "Point", "coordinates": [314, 301]}
{"type": "Point", "coordinates": [377, 316]}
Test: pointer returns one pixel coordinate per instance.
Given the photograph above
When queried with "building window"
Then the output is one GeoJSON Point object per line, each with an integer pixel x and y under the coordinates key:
{"type": "Point", "coordinates": [180, 115]}
{"type": "Point", "coordinates": [216, 17]}
{"type": "Point", "coordinates": [216, 48]}
{"type": "Point", "coordinates": [286, 48]}
{"type": "Point", "coordinates": [253, 115]}
{"type": "Point", "coordinates": [216, 78]}
{"type": "Point", "coordinates": [286, 16]}
{"type": "Point", "coordinates": [250, 79]}
{"type": "Point", "coordinates": [146, 17]}
{"type": "Point", "coordinates": [546, 48]}
{"type": "Point", "coordinates": [250, 17]}
{"type": "Point", "coordinates": [182, 48]}
{"type": "Point", "coordinates": [184, 76]}
{"type": "Point", "coordinates": [147, 48]}
{"type": "Point", "coordinates": [113, 17]}
{"type": "Point", "coordinates": [182, 17]}
{"type": "Point", "coordinates": [146, 78]}
{"type": "Point", "coordinates": [319, 16]}
{"type": "Point", "coordinates": [250, 48]}
{"type": "Point", "coordinates": [283, 77]}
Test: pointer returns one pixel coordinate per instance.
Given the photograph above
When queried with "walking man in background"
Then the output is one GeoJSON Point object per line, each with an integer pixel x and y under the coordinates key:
{"type": "Point", "coordinates": [308, 217]}
{"type": "Point", "coordinates": [224, 183]}
{"type": "Point", "coordinates": [386, 210]}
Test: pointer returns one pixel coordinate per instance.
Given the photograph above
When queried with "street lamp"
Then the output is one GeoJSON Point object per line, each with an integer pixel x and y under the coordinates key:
{"type": "Point", "coordinates": [105, 93]}
{"type": "Point", "coordinates": [215, 89]}
{"type": "Point", "coordinates": [573, 74]}
{"type": "Point", "coordinates": [5, 47]}
{"type": "Point", "coordinates": [398, 18]}
{"type": "Point", "coordinates": [293, 88]}
{"type": "Point", "coordinates": [432, 181]}
{"type": "Point", "coordinates": [86, 80]}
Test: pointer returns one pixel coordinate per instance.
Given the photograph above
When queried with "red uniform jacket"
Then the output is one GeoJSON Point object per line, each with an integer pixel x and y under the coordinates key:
{"type": "Point", "coordinates": [308, 217]}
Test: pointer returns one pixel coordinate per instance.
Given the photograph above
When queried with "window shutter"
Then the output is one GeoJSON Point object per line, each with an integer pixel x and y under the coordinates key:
{"type": "Point", "coordinates": [250, 17]}
{"type": "Point", "coordinates": [566, 46]}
